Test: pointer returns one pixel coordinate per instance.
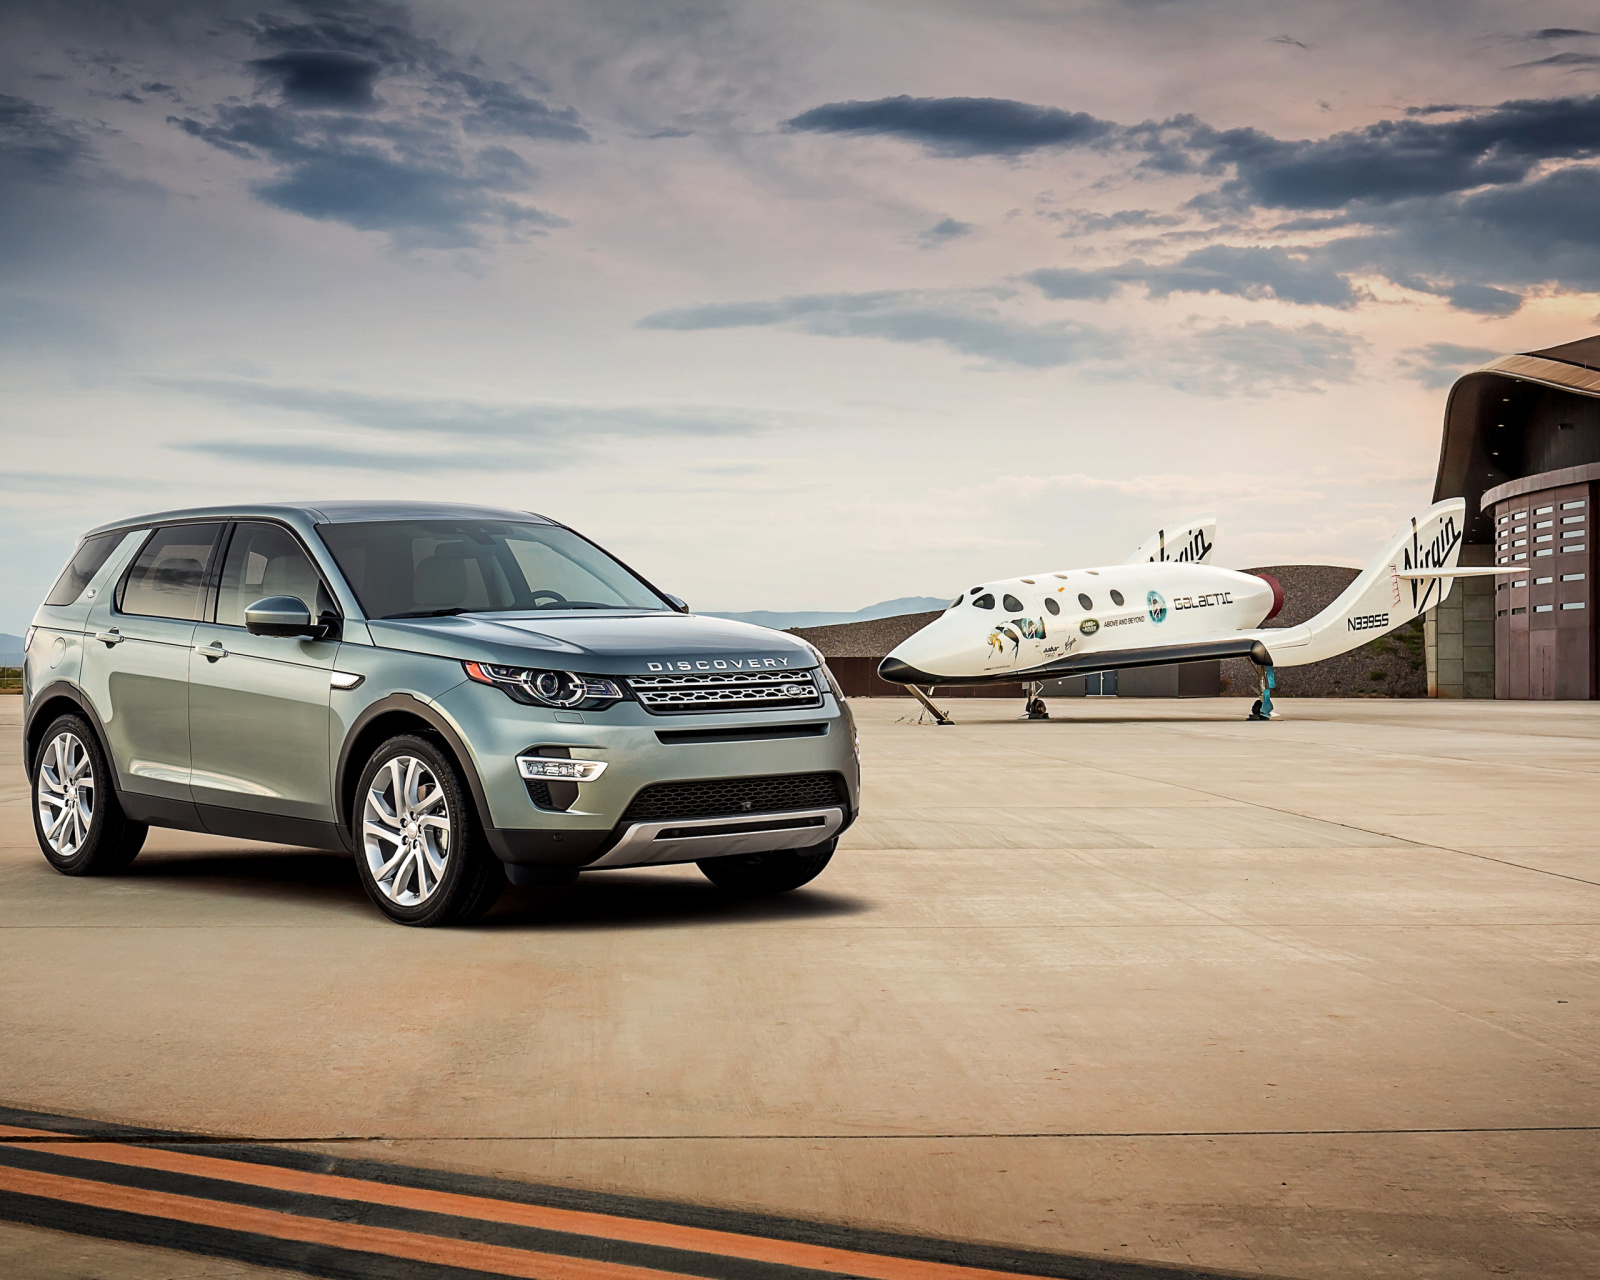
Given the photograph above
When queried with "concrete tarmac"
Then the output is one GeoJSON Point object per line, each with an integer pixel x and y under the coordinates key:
{"type": "Point", "coordinates": [1146, 982]}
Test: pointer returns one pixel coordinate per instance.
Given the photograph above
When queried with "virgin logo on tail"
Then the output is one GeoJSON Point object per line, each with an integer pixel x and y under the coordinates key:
{"type": "Point", "coordinates": [1433, 554]}
{"type": "Point", "coordinates": [1192, 552]}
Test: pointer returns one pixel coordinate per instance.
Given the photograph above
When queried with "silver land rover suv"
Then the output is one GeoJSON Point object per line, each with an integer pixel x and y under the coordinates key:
{"type": "Point", "coordinates": [456, 695]}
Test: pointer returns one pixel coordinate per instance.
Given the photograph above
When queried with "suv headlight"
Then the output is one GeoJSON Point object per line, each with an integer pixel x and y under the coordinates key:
{"type": "Point", "coordinates": [534, 687]}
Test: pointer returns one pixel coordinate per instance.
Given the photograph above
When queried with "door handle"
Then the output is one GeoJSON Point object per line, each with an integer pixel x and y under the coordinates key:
{"type": "Point", "coordinates": [212, 651]}
{"type": "Point", "coordinates": [109, 638]}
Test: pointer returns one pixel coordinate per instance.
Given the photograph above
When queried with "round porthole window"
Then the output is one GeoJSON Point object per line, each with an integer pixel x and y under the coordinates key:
{"type": "Point", "coordinates": [1085, 601]}
{"type": "Point", "coordinates": [1051, 605]}
{"type": "Point", "coordinates": [1116, 597]}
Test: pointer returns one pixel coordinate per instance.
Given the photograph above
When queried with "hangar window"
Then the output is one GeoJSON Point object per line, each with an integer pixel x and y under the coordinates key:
{"type": "Point", "coordinates": [1520, 542]}
{"type": "Point", "coordinates": [1051, 605]}
{"type": "Point", "coordinates": [1543, 511]}
{"type": "Point", "coordinates": [1520, 582]}
{"type": "Point", "coordinates": [1514, 612]}
{"type": "Point", "coordinates": [1544, 608]}
{"type": "Point", "coordinates": [1084, 601]}
{"type": "Point", "coordinates": [1569, 506]}
{"type": "Point", "coordinates": [1500, 614]}
{"type": "Point", "coordinates": [1521, 555]}
{"type": "Point", "coordinates": [1116, 597]}
{"type": "Point", "coordinates": [1543, 524]}
{"type": "Point", "coordinates": [1571, 519]}
{"type": "Point", "coordinates": [1521, 528]}
{"type": "Point", "coordinates": [1012, 604]}
{"type": "Point", "coordinates": [1550, 551]}
{"type": "Point", "coordinates": [1573, 546]}
{"type": "Point", "coordinates": [1544, 537]}
{"type": "Point", "coordinates": [1503, 559]}
{"type": "Point", "coordinates": [1572, 577]}
{"type": "Point", "coordinates": [1504, 586]}
{"type": "Point", "coordinates": [1574, 604]}
{"type": "Point", "coordinates": [984, 601]}
{"type": "Point", "coordinates": [1517, 515]}
{"type": "Point", "coordinates": [1539, 582]}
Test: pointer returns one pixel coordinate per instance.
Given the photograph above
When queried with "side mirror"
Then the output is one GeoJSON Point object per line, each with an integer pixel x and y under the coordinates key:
{"type": "Point", "coordinates": [280, 616]}
{"type": "Point", "coordinates": [677, 604]}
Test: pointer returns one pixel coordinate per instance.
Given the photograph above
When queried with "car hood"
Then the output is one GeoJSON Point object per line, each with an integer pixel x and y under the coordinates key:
{"type": "Point", "coordinates": [604, 644]}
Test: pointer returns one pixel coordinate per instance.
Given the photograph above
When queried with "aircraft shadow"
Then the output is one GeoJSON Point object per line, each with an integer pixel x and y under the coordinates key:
{"type": "Point", "coordinates": [608, 900]}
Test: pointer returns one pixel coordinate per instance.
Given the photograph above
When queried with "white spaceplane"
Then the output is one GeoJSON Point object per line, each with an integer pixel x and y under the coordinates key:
{"type": "Point", "coordinates": [1167, 604]}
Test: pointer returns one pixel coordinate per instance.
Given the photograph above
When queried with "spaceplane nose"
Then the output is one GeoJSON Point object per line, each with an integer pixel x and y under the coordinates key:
{"type": "Point", "coordinates": [898, 671]}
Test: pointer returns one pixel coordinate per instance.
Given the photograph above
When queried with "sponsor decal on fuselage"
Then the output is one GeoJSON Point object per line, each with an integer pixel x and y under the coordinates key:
{"type": "Point", "coordinates": [1089, 626]}
{"type": "Point", "coordinates": [1127, 620]}
{"type": "Point", "coordinates": [719, 664]}
{"type": "Point", "coordinates": [1367, 622]}
{"type": "Point", "coordinates": [1157, 605]}
{"type": "Point", "coordinates": [1208, 601]}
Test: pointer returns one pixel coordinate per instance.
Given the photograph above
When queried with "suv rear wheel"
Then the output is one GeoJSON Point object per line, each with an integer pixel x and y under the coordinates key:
{"type": "Point", "coordinates": [754, 874]}
{"type": "Point", "coordinates": [81, 828]}
{"type": "Point", "coordinates": [420, 852]}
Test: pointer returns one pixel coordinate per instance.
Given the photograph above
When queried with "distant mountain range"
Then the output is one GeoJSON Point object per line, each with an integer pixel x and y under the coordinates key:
{"type": "Point", "coordinates": [885, 609]}
{"type": "Point", "coordinates": [10, 650]}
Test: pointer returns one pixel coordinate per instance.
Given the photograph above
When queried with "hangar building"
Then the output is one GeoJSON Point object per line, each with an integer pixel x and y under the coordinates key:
{"type": "Point", "coordinates": [1522, 446]}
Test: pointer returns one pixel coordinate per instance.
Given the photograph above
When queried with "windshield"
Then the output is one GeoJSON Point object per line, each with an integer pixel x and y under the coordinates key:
{"type": "Point", "coordinates": [430, 568]}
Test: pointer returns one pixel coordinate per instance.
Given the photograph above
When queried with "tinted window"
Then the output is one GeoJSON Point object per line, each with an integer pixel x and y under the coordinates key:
{"type": "Point", "coordinates": [167, 577]}
{"type": "Point", "coordinates": [1085, 601]}
{"type": "Point", "coordinates": [266, 560]}
{"type": "Point", "coordinates": [1012, 604]}
{"type": "Point", "coordinates": [85, 563]}
{"type": "Point", "coordinates": [983, 602]}
{"type": "Point", "coordinates": [415, 568]}
{"type": "Point", "coordinates": [1116, 597]}
{"type": "Point", "coordinates": [1051, 605]}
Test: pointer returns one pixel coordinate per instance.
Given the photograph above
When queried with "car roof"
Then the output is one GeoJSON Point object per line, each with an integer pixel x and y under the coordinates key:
{"type": "Point", "coordinates": [336, 512]}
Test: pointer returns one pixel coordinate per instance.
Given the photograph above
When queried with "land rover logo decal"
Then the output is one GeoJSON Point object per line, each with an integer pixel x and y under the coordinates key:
{"type": "Point", "coordinates": [1158, 607]}
{"type": "Point", "coordinates": [1088, 626]}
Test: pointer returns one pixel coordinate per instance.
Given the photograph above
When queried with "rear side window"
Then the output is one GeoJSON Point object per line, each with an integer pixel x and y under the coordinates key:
{"type": "Point", "coordinates": [266, 560]}
{"type": "Point", "coordinates": [168, 577]}
{"type": "Point", "coordinates": [85, 563]}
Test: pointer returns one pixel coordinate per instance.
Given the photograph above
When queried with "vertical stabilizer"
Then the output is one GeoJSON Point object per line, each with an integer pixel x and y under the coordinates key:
{"type": "Point", "coordinates": [1184, 541]}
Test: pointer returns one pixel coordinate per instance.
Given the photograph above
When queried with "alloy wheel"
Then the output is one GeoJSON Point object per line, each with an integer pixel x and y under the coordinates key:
{"type": "Point", "coordinates": [66, 794]}
{"type": "Point", "coordinates": [405, 831]}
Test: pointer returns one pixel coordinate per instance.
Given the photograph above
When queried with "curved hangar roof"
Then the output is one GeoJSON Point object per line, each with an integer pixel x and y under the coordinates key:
{"type": "Point", "coordinates": [1518, 424]}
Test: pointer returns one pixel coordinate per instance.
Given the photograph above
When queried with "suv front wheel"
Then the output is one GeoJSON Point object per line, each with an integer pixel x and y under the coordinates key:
{"type": "Point", "coordinates": [81, 827]}
{"type": "Point", "coordinates": [419, 850]}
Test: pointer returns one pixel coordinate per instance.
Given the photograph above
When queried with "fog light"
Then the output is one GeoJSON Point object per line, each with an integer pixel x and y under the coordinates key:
{"type": "Point", "coordinates": [564, 770]}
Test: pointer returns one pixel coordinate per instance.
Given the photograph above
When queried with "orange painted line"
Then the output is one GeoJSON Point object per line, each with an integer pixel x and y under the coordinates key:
{"type": "Point", "coordinates": [522, 1263]}
{"type": "Point", "coordinates": [870, 1266]}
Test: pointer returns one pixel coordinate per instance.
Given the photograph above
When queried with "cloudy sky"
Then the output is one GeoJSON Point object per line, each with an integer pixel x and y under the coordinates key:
{"type": "Point", "coordinates": [793, 306]}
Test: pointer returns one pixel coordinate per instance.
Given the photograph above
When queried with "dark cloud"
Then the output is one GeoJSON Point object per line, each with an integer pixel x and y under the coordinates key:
{"type": "Point", "coordinates": [944, 231]}
{"type": "Point", "coordinates": [1289, 40]}
{"type": "Point", "coordinates": [322, 78]}
{"type": "Point", "coordinates": [905, 317]}
{"type": "Point", "coordinates": [1082, 222]}
{"type": "Point", "coordinates": [1256, 272]}
{"type": "Point", "coordinates": [1438, 364]}
{"type": "Point", "coordinates": [958, 126]}
{"type": "Point", "coordinates": [1559, 33]}
{"type": "Point", "coordinates": [35, 143]}
{"type": "Point", "coordinates": [430, 161]}
{"type": "Point", "coordinates": [498, 421]}
{"type": "Point", "coordinates": [1568, 59]}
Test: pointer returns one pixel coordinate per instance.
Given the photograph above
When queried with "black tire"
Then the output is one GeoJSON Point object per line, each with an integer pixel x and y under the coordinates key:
{"type": "Point", "coordinates": [756, 874]}
{"type": "Point", "coordinates": [68, 754]}
{"type": "Point", "coordinates": [466, 877]}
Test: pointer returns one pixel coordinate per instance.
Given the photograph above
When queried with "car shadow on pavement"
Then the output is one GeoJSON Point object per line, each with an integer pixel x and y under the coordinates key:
{"type": "Point", "coordinates": [609, 900]}
{"type": "Point", "coordinates": [618, 900]}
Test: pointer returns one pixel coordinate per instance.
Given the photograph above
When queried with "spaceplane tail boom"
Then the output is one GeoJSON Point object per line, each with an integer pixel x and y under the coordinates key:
{"type": "Point", "coordinates": [1412, 574]}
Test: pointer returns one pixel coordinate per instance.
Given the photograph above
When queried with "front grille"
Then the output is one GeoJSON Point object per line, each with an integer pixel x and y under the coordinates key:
{"type": "Point", "coordinates": [702, 691]}
{"type": "Point", "coordinates": [724, 797]}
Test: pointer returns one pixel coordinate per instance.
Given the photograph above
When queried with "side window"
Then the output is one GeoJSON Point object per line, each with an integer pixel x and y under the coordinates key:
{"type": "Point", "coordinates": [85, 563]}
{"type": "Point", "coordinates": [266, 560]}
{"type": "Point", "coordinates": [168, 577]}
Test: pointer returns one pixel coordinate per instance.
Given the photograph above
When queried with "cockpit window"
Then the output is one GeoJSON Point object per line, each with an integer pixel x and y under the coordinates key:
{"type": "Point", "coordinates": [1051, 605]}
{"type": "Point", "coordinates": [985, 601]}
{"type": "Point", "coordinates": [1012, 604]}
{"type": "Point", "coordinates": [1116, 596]}
{"type": "Point", "coordinates": [958, 599]}
{"type": "Point", "coordinates": [1085, 601]}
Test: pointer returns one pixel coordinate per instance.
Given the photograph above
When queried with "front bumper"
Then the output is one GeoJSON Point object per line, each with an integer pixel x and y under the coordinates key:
{"type": "Point", "coordinates": [640, 749]}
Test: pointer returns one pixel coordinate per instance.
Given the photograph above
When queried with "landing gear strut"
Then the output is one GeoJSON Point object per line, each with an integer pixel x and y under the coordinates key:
{"type": "Point", "coordinates": [1036, 708]}
{"type": "Point", "coordinates": [1262, 708]}
{"type": "Point", "coordinates": [938, 714]}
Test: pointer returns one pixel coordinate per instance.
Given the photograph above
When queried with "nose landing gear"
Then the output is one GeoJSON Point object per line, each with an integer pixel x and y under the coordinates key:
{"type": "Point", "coordinates": [1261, 709]}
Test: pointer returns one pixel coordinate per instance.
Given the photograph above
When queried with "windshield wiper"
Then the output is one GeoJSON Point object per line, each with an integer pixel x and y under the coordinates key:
{"type": "Point", "coordinates": [427, 613]}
